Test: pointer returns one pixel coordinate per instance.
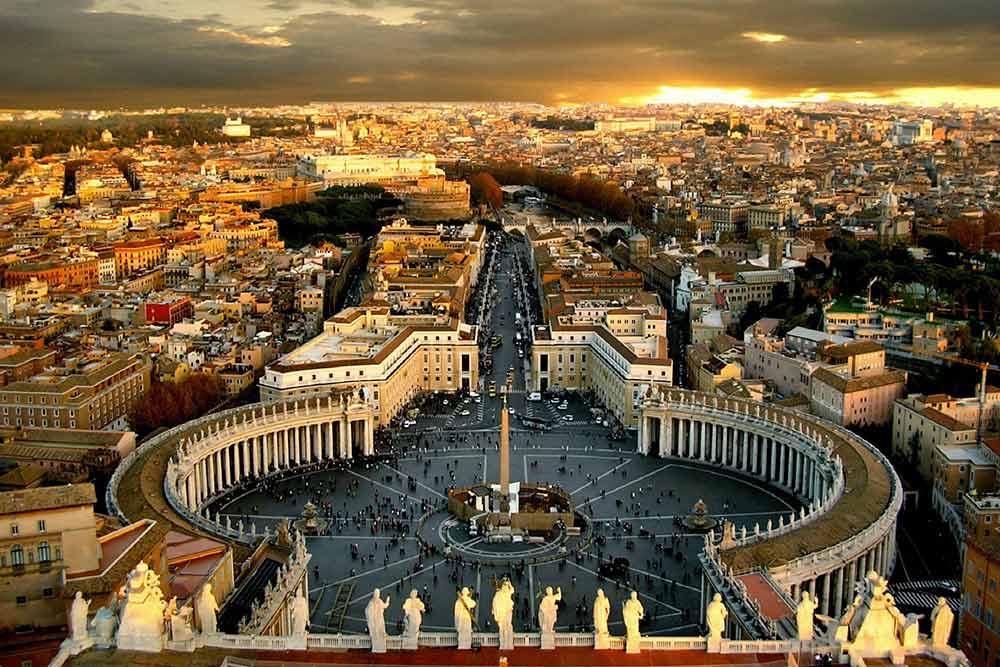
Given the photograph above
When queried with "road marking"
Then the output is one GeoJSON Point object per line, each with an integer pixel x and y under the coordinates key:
{"type": "Point", "coordinates": [629, 587]}
{"type": "Point", "coordinates": [397, 581]}
{"type": "Point", "coordinates": [392, 563]}
{"type": "Point", "coordinates": [419, 483]}
{"type": "Point", "coordinates": [628, 484]}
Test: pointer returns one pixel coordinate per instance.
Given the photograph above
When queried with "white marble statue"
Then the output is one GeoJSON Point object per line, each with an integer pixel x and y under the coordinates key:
{"type": "Point", "coordinates": [206, 608]}
{"type": "Point", "coordinates": [104, 623]}
{"type": "Point", "coordinates": [179, 621]}
{"type": "Point", "coordinates": [715, 617]}
{"type": "Point", "coordinates": [464, 604]}
{"type": "Point", "coordinates": [300, 615]}
{"type": "Point", "coordinates": [413, 610]}
{"type": "Point", "coordinates": [548, 610]}
{"type": "Point", "coordinates": [140, 627]}
{"type": "Point", "coordinates": [804, 614]}
{"type": "Point", "coordinates": [632, 613]}
{"type": "Point", "coordinates": [78, 617]}
{"type": "Point", "coordinates": [942, 619]}
{"type": "Point", "coordinates": [602, 610]}
{"type": "Point", "coordinates": [880, 625]}
{"type": "Point", "coordinates": [375, 616]}
{"type": "Point", "coordinates": [503, 614]}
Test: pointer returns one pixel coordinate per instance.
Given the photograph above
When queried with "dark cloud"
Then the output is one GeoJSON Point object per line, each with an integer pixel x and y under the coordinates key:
{"type": "Point", "coordinates": [63, 52]}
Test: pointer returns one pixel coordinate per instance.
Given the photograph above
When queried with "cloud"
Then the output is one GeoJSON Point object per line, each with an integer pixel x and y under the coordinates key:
{"type": "Point", "coordinates": [76, 52]}
{"type": "Point", "coordinates": [765, 37]}
{"type": "Point", "coordinates": [244, 38]}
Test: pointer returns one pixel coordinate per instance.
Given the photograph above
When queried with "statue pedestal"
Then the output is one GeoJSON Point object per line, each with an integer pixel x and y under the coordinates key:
{"type": "Point", "coordinates": [714, 644]}
{"type": "Point", "coordinates": [410, 643]}
{"type": "Point", "coordinates": [378, 646]}
{"type": "Point", "coordinates": [602, 642]}
{"type": "Point", "coordinates": [77, 646]}
{"type": "Point", "coordinates": [548, 641]}
{"type": "Point", "coordinates": [297, 643]}
{"type": "Point", "coordinates": [143, 643]}
{"type": "Point", "coordinates": [507, 641]}
{"type": "Point", "coordinates": [632, 644]}
{"type": "Point", "coordinates": [898, 656]}
{"type": "Point", "coordinates": [464, 641]}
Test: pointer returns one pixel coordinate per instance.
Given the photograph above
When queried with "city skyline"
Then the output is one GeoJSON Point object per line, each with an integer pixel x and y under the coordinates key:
{"type": "Point", "coordinates": [111, 53]}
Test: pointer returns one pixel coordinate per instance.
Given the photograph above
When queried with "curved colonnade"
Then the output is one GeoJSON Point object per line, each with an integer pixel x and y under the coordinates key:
{"type": "Point", "coordinates": [848, 491]}
{"type": "Point", "coordinates": [217, 453]}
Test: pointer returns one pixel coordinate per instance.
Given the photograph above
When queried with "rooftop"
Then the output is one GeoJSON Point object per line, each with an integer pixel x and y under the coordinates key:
{"type": "Point", "coordinates": [47, 497]}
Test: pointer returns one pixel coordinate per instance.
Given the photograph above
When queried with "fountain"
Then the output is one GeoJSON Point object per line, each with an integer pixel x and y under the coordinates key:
{"type": "Point", "coordinates": [699, 520]}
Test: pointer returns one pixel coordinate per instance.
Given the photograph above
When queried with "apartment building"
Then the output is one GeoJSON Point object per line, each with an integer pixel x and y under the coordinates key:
{"type": "Point", "coordinates": [91, 392]}
{"type": "Point", "coordinates": [44, 533]}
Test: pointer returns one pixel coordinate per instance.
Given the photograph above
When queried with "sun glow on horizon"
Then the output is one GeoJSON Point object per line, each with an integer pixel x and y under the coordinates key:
{"type": "Point", "coordinates": [929, 96]}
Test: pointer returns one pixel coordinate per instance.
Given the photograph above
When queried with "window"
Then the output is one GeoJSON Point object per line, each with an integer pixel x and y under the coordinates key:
{"type": "Point", "coordinates": [14, 529]}
{"type": "Point", "coordinates": [41, 525]}
{"type": "Point", "coordinates": [22, 600]}
{"type": "Point", "coordinates": [48, 593]}
{"type": "Point", "coordinates": [17, 555]}
{"type": "Point", "coordinates": [44, 552]}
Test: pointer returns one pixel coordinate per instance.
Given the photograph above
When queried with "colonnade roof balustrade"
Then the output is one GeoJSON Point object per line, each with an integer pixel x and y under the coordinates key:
{"type": "Point", "coordinates": [872, 493]}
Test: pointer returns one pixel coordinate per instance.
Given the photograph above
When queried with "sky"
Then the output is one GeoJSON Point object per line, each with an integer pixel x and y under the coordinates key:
{"type": "Point", "coordinates": [140, 53]}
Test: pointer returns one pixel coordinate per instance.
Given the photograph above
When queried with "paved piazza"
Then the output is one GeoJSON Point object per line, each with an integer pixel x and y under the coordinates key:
{"type": "Point", "coordinates": [388, 528]}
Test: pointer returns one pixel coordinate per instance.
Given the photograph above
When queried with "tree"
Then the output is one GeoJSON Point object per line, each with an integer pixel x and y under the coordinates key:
{"type": "Point", "coordinates": [484, 189]}
{"type": "Point", "coordinates": [166, 404]}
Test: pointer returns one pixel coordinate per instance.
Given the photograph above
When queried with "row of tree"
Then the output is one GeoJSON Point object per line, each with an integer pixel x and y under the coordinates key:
{"type": "Point", "coordinates": [329, 217]}
{"type": "Point", "coordinates": [168, 404]}
{"type": "Point", "coordinates": [586, 192]}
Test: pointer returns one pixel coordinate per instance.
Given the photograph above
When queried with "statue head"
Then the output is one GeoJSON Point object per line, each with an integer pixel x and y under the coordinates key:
{"type": "Point", "coordinates": [805, 596]}
{"type": "Point", "coordinates": [634, 596]}
{"type": "Point", "coordinates": [413, 593]}
{"type": "Point", "coordinates": [600, 592]}
{"type": "Point", "coordinates": [941, 602]}
{"type": "Point", "coordinates": [717, 597]}
{"type": "Point", "coordinates": [465, 591]}
{"type": "Point", "coordinates": [79, 596]}
{"type": "Point", "coordinates": [548, 590]}
{"type": "Point", "coordinates": [377, 594]}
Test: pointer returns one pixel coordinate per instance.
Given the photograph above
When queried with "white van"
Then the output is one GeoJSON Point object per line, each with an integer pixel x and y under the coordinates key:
{"type": "Point", "coordinates": [534, 396]}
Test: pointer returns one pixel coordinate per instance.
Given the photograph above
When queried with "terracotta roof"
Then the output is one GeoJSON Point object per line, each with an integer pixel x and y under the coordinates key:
{"type": "Point", "coordinates": [847, 385]}
{"type": "Point", "coordinates": [941, 418]}
{"type": "Point", "coordinates": [47, 497]}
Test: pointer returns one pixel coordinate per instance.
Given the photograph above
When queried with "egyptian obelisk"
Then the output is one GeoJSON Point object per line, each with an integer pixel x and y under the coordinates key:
{"type": "Point", "coordinates": [504, 455]}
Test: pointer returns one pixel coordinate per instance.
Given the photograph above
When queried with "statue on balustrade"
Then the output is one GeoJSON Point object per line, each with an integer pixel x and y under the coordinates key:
{"type": "Point", "coordinates": [548, 610]}
{"type": "Point", "coordinates": [206, 607]}
{"type": "Point", "coordinates": [179, 621]}
{"type": "Point", "coordinates": [715, 617]}
{"type": "Point", "coordinates": [464, 605]}
{"type": "Point", "coordinates": [300, 615]}
{"type": "Point", "coordinates": [804, 614]}
{"type": "Point", "coordinates": [942, 619]}
{"type": "Point", "coordinates": [632, 613]}
{"type": "Point", "coordinates": [140, 627]}
{"type": "Point", "coordinates": [78, 617]}
{"type": "Point", "coordinates": [375, 616]}
{"type": "Point", "coordinates": [413, 610]}
{"type": "Point", "coordinates": [503, 614]}
{"type": "Point", "coordinates": [602, 610]}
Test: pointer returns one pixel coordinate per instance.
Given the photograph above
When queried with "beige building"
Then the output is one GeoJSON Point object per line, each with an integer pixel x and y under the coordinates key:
{"type": "Point", "coordinates": [45, 533]}
{"type": "Point", "coordinates": [618, 355]}
{"type": "Point", "coordinates": [921, 424]}
{"type": "Point", "coordinates": [850, 400]}
{"type": "Point", "coordinates": [362, 350]}
{"type": "Point", "coordinates": [94, 392]}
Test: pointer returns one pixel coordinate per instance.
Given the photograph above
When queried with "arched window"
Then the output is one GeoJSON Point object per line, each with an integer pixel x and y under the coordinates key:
{"type": "Point", "coordinates": [44, 553]}
{"type": "Point", "coordinates": [16, 555]}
